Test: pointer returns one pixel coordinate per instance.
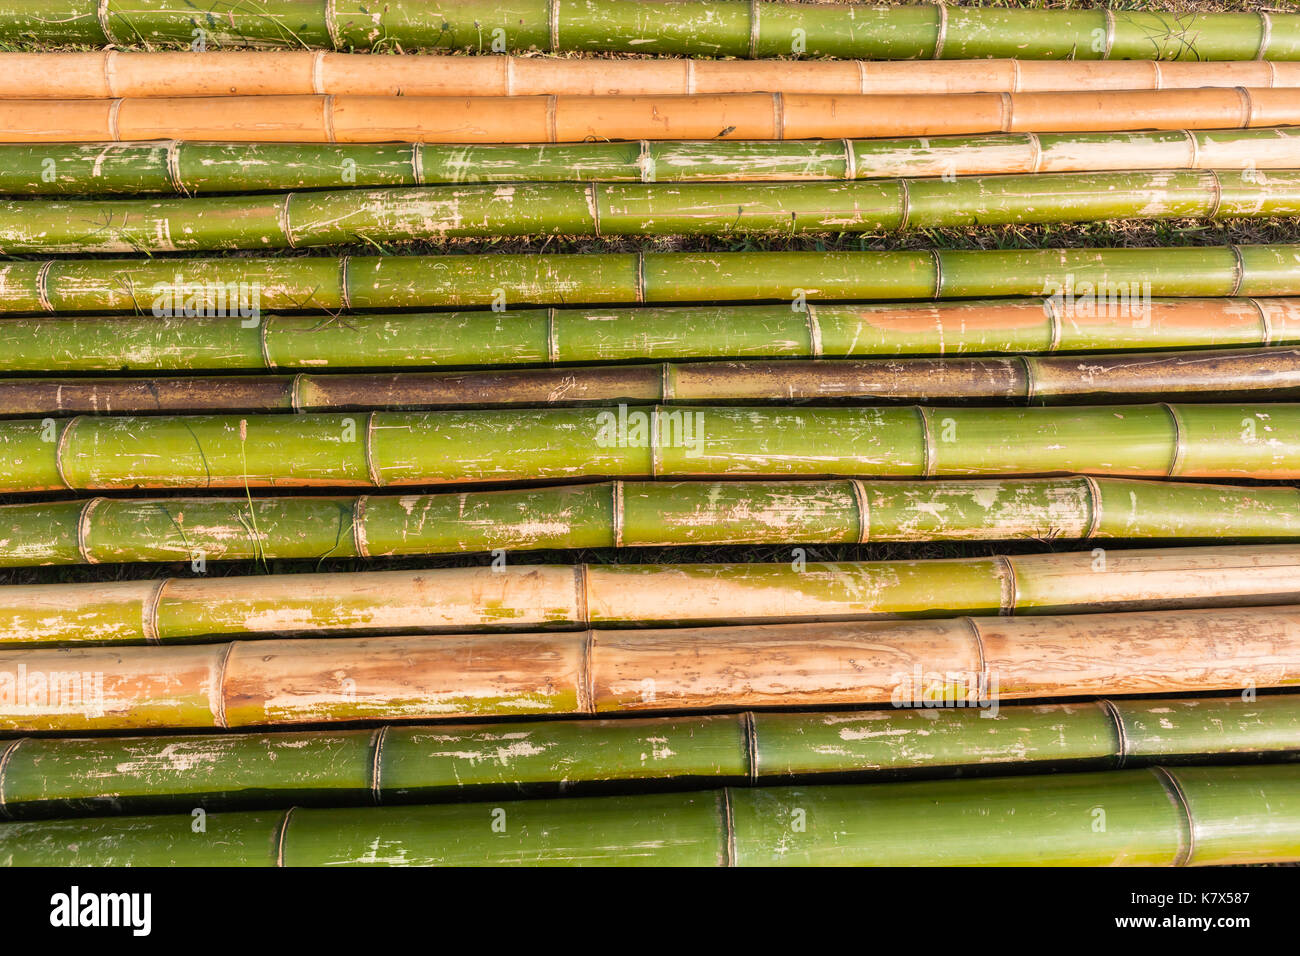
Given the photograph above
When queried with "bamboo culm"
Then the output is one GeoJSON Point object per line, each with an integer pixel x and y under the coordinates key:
{"type": "Point", "coordinates": [693, 27]}
{"type": "Point", "coordinates": [577, 119]}
{"type": "Point", "coordinates": [1120, 318]}
{"type": "Point", "coordinates": [1162, 816]}
{"type": "Point", "coordinates": [248, 285]}
{"type": "Point", "coordinates": [638, 514]}
{"type": "Point", "coordinates": [1270, 374]}
{"type": "Point", "coordinates": [395, 449]}
{"type": "Point", "coordinates": [560, 597]}
{"type": "Point", "coordinates": [432, 213]}
{"type": "Point", "coordinates": [191, 168]}
{"type": "Point", "coordinates": [965, 661]}
{"type": "Point", "coordinates": [43, 776]}
{"type": "Point", "coordinates": [113, 73]}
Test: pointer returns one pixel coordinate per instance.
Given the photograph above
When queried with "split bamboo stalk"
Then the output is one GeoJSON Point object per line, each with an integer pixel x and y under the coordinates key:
{"type": "Point", "coordinates": [965, 660]}
{"type": "Point", "coordinates": [574, 119]}
{"type": "Point", "coordinates": [394, 449]}
{"type": "Point", "coordinates": [112, 73]}
{"type": "Point", "coordinates": [567, 597]}
{"type": "Point", "coordinates": [638, 514]}
{"type": "Point", "coordinates": [1122, 318]}
{"type": "Point", "coordinates": [1208, 375]}
{"type": "Point", "coordinates": [250, 285]}
{"type": "Point", "coordinates": [62, 776]}
{"type": "Point", "coordinates": [188, 168]}
{"type": "Point", "coordinates": [348, 216]}
{"type": "Point", "coordinates": [695, 27]}
{"type": "Point", "coordinates": [1158, 816]}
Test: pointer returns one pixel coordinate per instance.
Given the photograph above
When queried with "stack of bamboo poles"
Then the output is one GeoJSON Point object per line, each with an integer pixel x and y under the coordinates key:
{"type": "Point", "coordinates": [205, 395]}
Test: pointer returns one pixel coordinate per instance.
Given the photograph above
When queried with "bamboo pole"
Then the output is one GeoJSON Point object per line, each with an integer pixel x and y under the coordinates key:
{"type": "Point", "coordinates": [395, 449]}
{"type": "Point", "coordinates": [62, 776]}
{"type": "Point", "coordinates": [694, 27]}
{"type": "Point", "coordinates": [575, 119]}
{"type": "Point", "coordinates": [189, 168]}
{"type": "Point", "coordinates": [1208, 375]}
{"type": "Point", "coordinates": [966, 661]}
{"type": "Point", "coordinates": [250, 285]}
{"type": "Point", "coordinates": [113, 73]}
{"type": "Point", "coordinates": [637, 514]}
{"type": "Point", "coordinates": [346, 216]}
{"type": "Point", "coordinates": [1121, 318]}
{"type": "Point", "coordinates": [567, 597]}
{"type": "Point", "coordinates": [1196, 816]}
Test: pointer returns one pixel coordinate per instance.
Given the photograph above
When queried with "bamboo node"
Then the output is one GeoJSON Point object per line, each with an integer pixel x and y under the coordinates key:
{"type": "Point", "coordinates": [173, 157]}
{"type": "Point", "coordinates": [552, 118]}
{"type": "Point", "coordinates": [553, 22]}
{"type": "Point", "coordinates": [1015, 75]}
{"type": "Point", "coordinates": [1121, 733]}
{"type": "Point", "coordinates": [109, 64]}
{"type": "Point", "coordinates": [1008, 111]}
{"type": "Point", "coordinates": [1010, 596]}
{"type": "Point", "coordinates": [317, 68]}
{"type": "Point", "coordinates": [149, 613]}
{"type": "Point", "coordinates": [1216, 185]}
{"type": "Point", "coordinates": [1031, 383]}
{"type": "Point", "coordinates": [593, 207]}
{"type": "Point", "coordinates": [862, 76]}
{"type": "Point", "coordinates": [585, 691]}
{"type": "Point", "coordinates": [645, 162]}
{"type": "Point", "coordinates": [814, 332]}
{"type": "Point", "coordinates": [938, 273]}
{"type": "Point", "coordinates": [1239, 269]}
{"type": "Point", "coordinates": [1247, 107]}
{"type": "Point", "coordinates": [778, 116]}
{"type": "Point", "coordinates": [905, 205]}
{"type": "Point", "coordinates": [1194, 141]}
{"type": "Point", "coordinates": [376, 765]}
{"type": "Point", "coordinates": [343, 283]}
{"type": "Point", "coordinates": [295, 392]}
{"type": "Point", "coordinates": [279, 838]}
{"type": "Point", "coordinates": [327, 117]}
{"type": "Point", "coordinates": [42, 285]}
{"type": "Point", "coordinates": [417, 163]}
{"type": "Point", "coordinates": [750, 729]}
{"type": "Point", "coordinates": [941, 34]}
{"type": "Point", "coordinates": [666, 382]}
{"type": "Point", "coordinates": [371, 465]}
{"type": "Point", "coordinates": [552, 344]}
{"type": "Point", "coordinates": [690, 76]}
{"type": "Point", "coordinates": [729, 826]}
{"type": "Point", "coordinates": [219, 687]}
{"type": "Point", "coordinates": [850, 160]}
{"type": "Point", "coordinates": [1158, 81]}
{"type": "Point", "coordinates": [1053, 324]}
{"type": "Point", "coordinates": [617, 507]}
{"type": "Point", "coordinates": [753, 28]}
{"type": "Point", "coordinates": [1094, 507]}
{"type": "Point", "coordinates": [332, 24]}
{"type": "Point", "coordinates": [927, 455]}
{"type": "Point", "coordinates": [640, 277]}
{"type": "Point", "coordinates": [59, 449]}
{"type": "Point", "coordinates": [1110, 33]}
{"type": "Point", "coordinates": [1175, 791]}
{"type": "Point", "coordinates": [4, 765]}
{"type": "Point", "coordinates": [581, 601]}
{"type": "Point", "coordinates": [862, 503]}
{"type": "Point", "coordinates": [1265, 321]}
{"type": "Point", "coordinates": [359, 542]}
{"type": "Point", "coordinates": [1176, 459]}
{"type": "Point", "coordinates": [981, 659]}
{"type": "Point", "coordinates": [1265, 35]}
{"type": "Point", "coordinates": [83, 531]}
{"type": "Point", "coordinates": [262, 333]}
{"type": "Point", "coordinates": [286, 221]}
{"type": "Point", "coordinates": [113, 110]}
{"type": "Point", "coordinates": [105, 22]}
{"type": "Point", "coordinates": [1036, 145]}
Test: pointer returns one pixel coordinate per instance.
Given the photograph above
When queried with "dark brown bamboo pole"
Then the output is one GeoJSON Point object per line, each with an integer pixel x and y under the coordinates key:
{"type": "Point", "coordinates": [510, 597]}
{"type": "Point", "coordinates": [971, 660]}
{"type": "Point", "coordinates": [114, 73]}
{"type": "Point", "coordinates": [571, 119]}
{"type": "Point", "coordinates": [1271, 374]}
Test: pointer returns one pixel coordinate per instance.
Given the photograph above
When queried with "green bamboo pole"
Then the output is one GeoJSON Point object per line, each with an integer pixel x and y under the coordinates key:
{"type": "Point", "coordinates": [250, 285]}
{"type": "Point", "coordinates": [696, 27]}
{"type": "Point", "coordinates": [1160, 816]}
{"type": "Point", "coordinates": [393, 449]}
{"type": "Point", "coordinates": [341, 217]}
{"type": "Point", "coordinates": [1270, 374]}
{"type": "Point", "coordinates": [636, 514]}
{"type": "Point", "coordinates": [568, 597]}
{"type": "Point", "coordinates": [180, 342]}
{"type": "Point", "coordinates": [193, 168]}
{"type": "Point", "coordinates": [62, 776]}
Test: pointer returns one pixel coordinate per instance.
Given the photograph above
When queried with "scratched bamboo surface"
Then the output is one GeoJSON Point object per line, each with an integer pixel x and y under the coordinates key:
{"type": "Point", "coordinates": [696, 27]}
{"type": "Point", "coordinates": [1162, 816]}
{"type": "Point", "coordinates": [77, 776]}
{"type": "Point", "coordinates": [1269, 374]}
{"type": "Point", "coordinates": [113, 73]}
{"type": "Point", "coordinates": [190, 168]}
{"type": "Point", "coordinates": [734, 667]}
{"type": "Point", "coordinates": [1075, 320]}
{"type": "Point", "coordinates": [229, 285]}
{"type": "Point", "coordinates": [477, 210]}
{"type": "Point", "coordinates": [567, 597]}
{"type": "Point", "coordinates": [492, 445]}
{"type": "Point", "coordinates": [574, 119]}
{"type": "Point", "coordinates": [634, 514]}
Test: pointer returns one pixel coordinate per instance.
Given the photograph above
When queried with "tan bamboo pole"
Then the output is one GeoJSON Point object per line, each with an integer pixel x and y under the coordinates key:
{"type": "Point", "coordinates": [114, 73]}
{"type": "Point", "coordinates": [962, 661]}
{"type": "Point", "coordinates": [628, 514]}
{"type": "Point", "coordinates": [566, 597]}
{"type": "Point", "coordinates": [1270, 374]}
{"type": "Point", "coordinates": [568, 119]}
